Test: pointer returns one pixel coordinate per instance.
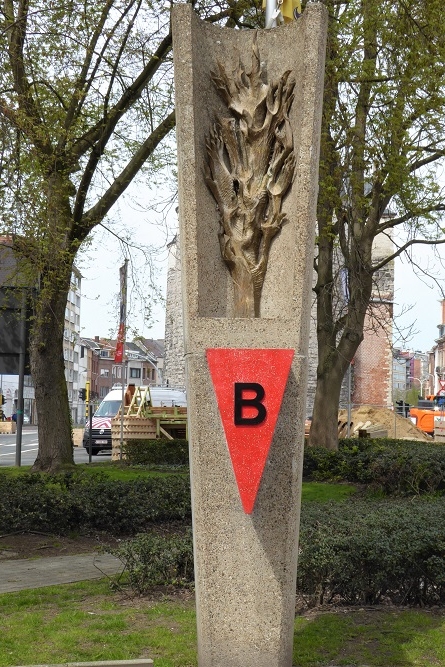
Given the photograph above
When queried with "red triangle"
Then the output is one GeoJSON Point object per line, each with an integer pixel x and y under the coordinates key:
{"type": "Point", "coordinates": [249, 443]}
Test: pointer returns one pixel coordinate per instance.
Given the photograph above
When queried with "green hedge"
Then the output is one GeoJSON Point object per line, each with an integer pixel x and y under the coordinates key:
{"type": "Point", "coordinates": [352, 552]}
{"type": "Point", "coordinates": [157, 452]}
{"type": "Point", "coordinates": [77, 502]}
{"type": "Point", "coordinates": [372, 552]}
{"type": "Point", "coordinates": [392, 466]}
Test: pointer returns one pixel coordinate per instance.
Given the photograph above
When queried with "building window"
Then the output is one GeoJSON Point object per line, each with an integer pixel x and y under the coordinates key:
{"type": "Point", "coordinates": [104, 354]}
{"type": "Point", "coordinates": [135, 372]}
{"type": "Point", "coordinates": [103, 391]}
{"type": "Point", "coordinates": [104, 372]}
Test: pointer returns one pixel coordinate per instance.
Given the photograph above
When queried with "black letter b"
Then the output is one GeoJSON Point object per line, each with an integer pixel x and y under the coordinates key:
{"type": "Point", "coordinates": [255, 402]}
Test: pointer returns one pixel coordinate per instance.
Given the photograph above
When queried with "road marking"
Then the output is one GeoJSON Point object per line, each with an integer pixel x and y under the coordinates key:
{"type": "Point", "coordinates": [35, 449]}
{"type": "Point", "coordinates": [13, 444]}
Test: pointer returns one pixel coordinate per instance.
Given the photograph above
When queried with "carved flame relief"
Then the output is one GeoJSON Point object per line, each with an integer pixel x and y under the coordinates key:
{"type": "Point", "coordinates": [250, 167]}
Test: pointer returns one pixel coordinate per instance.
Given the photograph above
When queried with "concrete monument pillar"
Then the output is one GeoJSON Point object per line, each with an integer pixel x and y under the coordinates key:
{"type": "Point", "coordinates": [248, 112]}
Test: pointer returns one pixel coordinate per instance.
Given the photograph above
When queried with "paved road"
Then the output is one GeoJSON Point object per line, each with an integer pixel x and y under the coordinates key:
{"type": "Point", "coordinates": [30, 447]}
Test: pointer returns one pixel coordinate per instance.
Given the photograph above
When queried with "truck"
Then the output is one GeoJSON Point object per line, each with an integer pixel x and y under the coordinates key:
{"type": "Point", "coordinates": [428, 412]}
{"type": "Point", "coordinates": [110, 406]}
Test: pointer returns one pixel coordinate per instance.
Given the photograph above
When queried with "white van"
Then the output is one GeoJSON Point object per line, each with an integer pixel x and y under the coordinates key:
{"type": "Point", "coordinates": [101, 420]}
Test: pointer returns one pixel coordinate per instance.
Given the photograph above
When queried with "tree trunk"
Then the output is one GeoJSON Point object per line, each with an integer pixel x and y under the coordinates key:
{"type": "Point", "coordinates": [48, 372]}
{"type": "Point", "coordinates": [46, 337]}
{"type": "Point", "coordinates": [324, 426]}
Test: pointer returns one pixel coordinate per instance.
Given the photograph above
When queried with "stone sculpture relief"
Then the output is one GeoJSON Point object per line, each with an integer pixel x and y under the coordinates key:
{"type": "Point", "coordinates": [249, 169]}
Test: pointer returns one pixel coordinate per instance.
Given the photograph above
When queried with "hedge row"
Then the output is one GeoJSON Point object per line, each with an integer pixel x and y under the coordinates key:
{"type": "Point", "coordinates": [393, 466]}
{"type": "Point", "coordinates": [157, 452]}
{"type": "Point", "coordinates": [350, 552]}
{"type": "Point", "coordinates": [368, 552]}
{"type": "Point", "coordinates": [81, 503]}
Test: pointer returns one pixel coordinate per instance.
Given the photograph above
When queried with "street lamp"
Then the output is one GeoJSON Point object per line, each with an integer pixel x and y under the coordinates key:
{"type": "Point", "coordinates": [426, 379]}
{"type": "Point", "coordinates": [411, 377]}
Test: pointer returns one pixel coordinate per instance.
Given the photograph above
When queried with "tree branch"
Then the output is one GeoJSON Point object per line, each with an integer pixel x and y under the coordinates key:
{"type": "Point", "coordinates": [80, 89]}
{"type": "Point", "coordinates": [402, 248]}
{"type": "Point", "coordinates": [16, 29]}
{"type": "Point", "coordinates": [102, 131]}
{"type": "Point", "coordinates": [99, 210]}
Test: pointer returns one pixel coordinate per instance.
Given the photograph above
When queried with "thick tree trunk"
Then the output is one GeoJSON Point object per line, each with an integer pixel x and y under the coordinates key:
{"type": "Point", "coordinates": [48, 371]}
{"type": "Point", "coordinates": [324, 426]}
{"type": "Point", "coordinates": [46, 339]}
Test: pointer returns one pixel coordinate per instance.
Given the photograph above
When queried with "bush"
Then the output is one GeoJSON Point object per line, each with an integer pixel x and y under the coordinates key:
{"type": "Point", "coordinates": [157, 452]}
{"type": "Point", "coordinates": [28, 503]}
{"type": "Point", "coordinates": [78, 502]}
{"type": "Point", "coordinates": [392, 466]}
{"type": "Point", "coordinates": [352, 552]}
{"type": "Point", "coordinates": [151, 560]}
{"type": "Point", "coordinates": [366, 553]}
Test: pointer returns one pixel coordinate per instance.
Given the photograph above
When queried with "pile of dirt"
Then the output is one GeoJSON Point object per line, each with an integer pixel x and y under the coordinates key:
{"type": "Point", "coordinates": [398, 427]}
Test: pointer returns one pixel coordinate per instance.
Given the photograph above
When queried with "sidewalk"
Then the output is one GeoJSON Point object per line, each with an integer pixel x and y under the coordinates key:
{"type": "Point", "coordinates": [17, 575]}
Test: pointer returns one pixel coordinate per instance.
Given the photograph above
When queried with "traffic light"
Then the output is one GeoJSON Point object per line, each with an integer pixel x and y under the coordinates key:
{"type": "Point", "coordinates": [82, 394]}
{"type": "Point", "coordinates": [87, 399]}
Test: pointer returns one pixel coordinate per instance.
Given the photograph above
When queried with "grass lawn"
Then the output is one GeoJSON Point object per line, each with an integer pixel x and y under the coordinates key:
{"type": "Point", "coordinates": [87, 621]}
{"type": "Point", "coordinates": [90, 621]}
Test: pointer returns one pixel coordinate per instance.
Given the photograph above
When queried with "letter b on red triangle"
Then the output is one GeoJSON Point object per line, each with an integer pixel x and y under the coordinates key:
{"type": "Point", "coordinates": [249, 386]}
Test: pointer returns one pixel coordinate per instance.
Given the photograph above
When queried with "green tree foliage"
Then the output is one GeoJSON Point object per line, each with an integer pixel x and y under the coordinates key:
{"type": "Point", "coordinates": [85, 107]}
{"type": "Point", "coordinates": [382, 148]}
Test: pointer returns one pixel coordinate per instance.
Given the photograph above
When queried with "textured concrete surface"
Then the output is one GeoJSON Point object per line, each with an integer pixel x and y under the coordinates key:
{"type": "Point", "coordinates": [17, 575]}
{"type": "Point", "coordinates": [245, 564]}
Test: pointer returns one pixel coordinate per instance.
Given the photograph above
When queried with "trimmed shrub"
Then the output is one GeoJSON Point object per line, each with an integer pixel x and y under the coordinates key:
{"type": "Point", "coordinates": [151, 560]}
{"type": "Point", "coordinates": [352, 552]}
{"type": "Point", "coordinates": [392, 466]}
{"type": "Point", "coordinates": [76, 502]}
{"type": "Point", "coordinates": [157, 452]}
{"type": "Point", "coordinates": [29, 502]}
{"type": "Point", "coordinates": [368, 552]}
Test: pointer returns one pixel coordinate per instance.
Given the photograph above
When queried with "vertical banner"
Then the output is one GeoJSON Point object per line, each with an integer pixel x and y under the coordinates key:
{"type": "Point", "coordinates": [120, 343]}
